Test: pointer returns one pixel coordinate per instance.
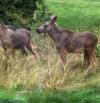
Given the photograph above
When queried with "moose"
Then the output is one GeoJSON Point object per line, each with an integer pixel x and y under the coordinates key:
{"type": "Point", "coordinates": [67, 41]}
{"type": "Point", "coordinates": [12, 39]}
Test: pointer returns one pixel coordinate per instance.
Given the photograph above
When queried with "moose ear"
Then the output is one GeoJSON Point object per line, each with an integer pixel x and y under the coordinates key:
{"type": "Point", "coordinates": [53, 19]}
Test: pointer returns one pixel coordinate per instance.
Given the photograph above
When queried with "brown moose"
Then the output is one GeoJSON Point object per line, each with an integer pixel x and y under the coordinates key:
{"type": "Point", "coordinates": [69, 41]}
{"type": "Point", "coordinates": [12, 38]}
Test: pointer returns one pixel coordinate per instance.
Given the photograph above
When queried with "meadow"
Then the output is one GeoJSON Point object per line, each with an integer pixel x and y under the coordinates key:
{"type": "Point", "coordinates": [46, 80]}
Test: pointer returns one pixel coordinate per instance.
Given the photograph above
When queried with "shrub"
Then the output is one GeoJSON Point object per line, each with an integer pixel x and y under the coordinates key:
{"type": "Point", "coordinates": [20, 12]}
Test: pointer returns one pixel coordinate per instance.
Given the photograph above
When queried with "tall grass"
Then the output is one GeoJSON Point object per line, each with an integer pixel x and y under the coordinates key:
{"type": "Point", "coordinates": [62, 84]}
{"type": "Point", "coordinates": [48, 71]}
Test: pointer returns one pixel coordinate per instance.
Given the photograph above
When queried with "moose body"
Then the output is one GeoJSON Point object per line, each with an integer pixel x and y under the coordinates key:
{"type": "Point", "coordinates": [71, 42]}
{"type": "Point", "coordinates": [12, 39]}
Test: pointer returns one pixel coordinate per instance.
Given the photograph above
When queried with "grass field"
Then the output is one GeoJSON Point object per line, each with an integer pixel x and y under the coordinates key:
{"type": "Point", "coordinates": [86, 95]}
{"type": "Point", "coordinates": [76, 14]}
{"type": "Point", "coordinates": [46, 80]}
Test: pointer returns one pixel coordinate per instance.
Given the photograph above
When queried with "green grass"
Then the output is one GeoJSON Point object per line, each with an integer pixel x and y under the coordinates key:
{"type": "Point", "coordinates": [76, 14]}
{"type": "Point", "coordinates": [52, 82]}
{"type": "Point", "coordinates": [86, 95]}
{"type": "Point", "coordinates": [12, 96]}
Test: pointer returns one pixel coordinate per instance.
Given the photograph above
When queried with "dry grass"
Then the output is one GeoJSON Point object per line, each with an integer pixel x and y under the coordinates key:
{"type": "Point", "coordinates": [45, 72]}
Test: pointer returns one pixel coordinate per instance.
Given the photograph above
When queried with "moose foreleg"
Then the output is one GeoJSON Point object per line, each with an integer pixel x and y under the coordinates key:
{"type": "Point", "coordinates": [63, 55]}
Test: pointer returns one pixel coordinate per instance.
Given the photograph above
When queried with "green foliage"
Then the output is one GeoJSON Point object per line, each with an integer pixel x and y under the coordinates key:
{"type": "Point", "coordinates": [20, 12]}
{"type": "Point", "coordinates": [98, 50]}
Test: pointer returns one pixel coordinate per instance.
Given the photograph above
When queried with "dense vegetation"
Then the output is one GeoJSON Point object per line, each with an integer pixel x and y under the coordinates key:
{"type": "Point", "coordinates": [20, 12]}
{"type": "Point", "coordinates": [46, 80]}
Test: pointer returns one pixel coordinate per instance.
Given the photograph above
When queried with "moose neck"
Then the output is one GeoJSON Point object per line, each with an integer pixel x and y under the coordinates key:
{"type": "Point", "coordinates": [55, 32]}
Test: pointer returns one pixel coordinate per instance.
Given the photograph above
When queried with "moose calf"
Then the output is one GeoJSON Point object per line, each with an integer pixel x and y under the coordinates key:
{"type": "Point", "coordinates": [12, 39]}
{"type": "Point", "coordinates": [69, 41]}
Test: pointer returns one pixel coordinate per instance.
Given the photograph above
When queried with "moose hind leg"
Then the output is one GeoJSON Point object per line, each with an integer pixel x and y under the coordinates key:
{"type": "Point", "coordinates": [92, 56]}
{"type": "Point", "coordinates": [29, 47]}
{"type": "Point", "coordinates": [86, 59]}
{"type": "Point", "coordinates": [24, 51]}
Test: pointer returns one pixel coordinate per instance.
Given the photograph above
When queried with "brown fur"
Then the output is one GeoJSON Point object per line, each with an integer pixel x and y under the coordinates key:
{"type": "Point", "coordinates": [12, 39]}
{"type": "Point", "coordinates": [71, 42]}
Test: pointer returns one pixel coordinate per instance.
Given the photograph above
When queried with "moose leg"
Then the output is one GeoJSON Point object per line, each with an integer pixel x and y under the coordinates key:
{"type": "Point", "coordinates": [8, 51]}
{"type": "Point", "coordinates": [13, 54]}
{"type": "Point", "coordinates": [92, 56]}
{"type": "Point", "coordinates": [30, 47]}
{"type": "Point", "coordinates": [86, 59]}
{"type": "Point", "coordinates": [63, 55]}
{"type": "Point", "coordinates": [24, 51]}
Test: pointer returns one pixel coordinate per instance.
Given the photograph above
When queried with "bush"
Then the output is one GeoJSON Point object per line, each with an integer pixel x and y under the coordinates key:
{"type": "Point", "coordinates": [20, 12]}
